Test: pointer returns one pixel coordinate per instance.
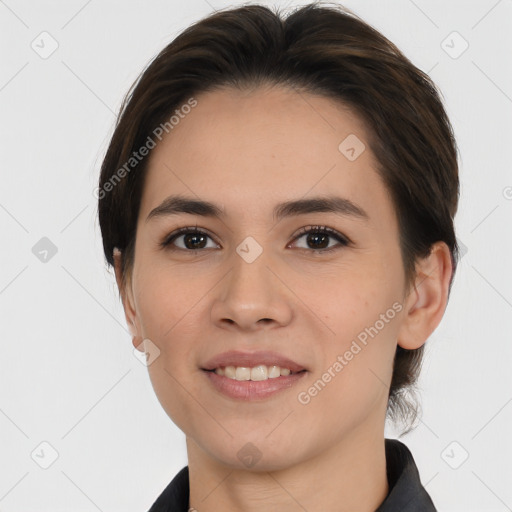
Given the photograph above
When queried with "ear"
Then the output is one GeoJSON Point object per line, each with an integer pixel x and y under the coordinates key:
{"type": "Point", "coordinates": [426, 302]}
{"type": "Point", "coordinates": [128, 302]}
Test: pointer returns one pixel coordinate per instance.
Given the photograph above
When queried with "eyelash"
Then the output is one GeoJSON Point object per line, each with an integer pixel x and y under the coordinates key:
{"type": "Point", "coordinates": [343, 240]}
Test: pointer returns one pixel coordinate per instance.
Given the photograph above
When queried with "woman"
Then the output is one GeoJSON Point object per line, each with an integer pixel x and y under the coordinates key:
{"type": "Point", "coordinates": [277, 200]}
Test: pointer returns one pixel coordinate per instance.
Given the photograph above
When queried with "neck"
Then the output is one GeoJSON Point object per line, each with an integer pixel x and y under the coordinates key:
{"type": "Point", "coordinates": [349, 477]}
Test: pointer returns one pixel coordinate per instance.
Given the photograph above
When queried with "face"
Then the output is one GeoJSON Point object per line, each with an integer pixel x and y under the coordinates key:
{"type": "Point", "coordinates": [251, 283]}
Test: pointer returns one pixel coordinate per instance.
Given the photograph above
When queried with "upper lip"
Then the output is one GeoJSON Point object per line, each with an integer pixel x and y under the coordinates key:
{"type": "Point", "coordinates": [251, 359]}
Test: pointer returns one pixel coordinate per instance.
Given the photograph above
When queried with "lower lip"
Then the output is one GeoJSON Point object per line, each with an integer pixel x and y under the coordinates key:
{"type": "Point", "coordinates": [250, 390]}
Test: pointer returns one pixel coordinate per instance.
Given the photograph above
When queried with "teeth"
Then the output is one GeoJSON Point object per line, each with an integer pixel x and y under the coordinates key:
{"type": "Point", "coordinates": [242, 373]}
{"type": "Point", "coordinates": [229, 372]}
{"type": "Point", "coordinates": [260, 372]}
{"type": "Point", "coordinates": [274, 371]}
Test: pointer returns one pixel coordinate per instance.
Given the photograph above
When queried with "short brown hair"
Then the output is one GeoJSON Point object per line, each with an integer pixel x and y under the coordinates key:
{"type": "Point", "coordinates": [324, 50]}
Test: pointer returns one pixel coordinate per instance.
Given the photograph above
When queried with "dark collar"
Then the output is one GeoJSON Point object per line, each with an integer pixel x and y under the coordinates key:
{"type": "Point", "coordinates": [406, 493]}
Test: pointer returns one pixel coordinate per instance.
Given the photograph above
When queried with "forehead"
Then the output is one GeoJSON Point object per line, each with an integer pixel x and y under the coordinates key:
{"type": "Point", "coordinates": [260, 147]}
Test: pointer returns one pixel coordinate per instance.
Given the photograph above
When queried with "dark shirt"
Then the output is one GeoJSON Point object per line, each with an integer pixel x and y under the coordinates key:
{"type": "Point", "coordinates": [406, 493]}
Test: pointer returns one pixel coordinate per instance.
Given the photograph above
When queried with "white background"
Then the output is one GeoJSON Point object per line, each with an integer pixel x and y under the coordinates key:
{"type": "Point", "coordinates": [68, 373]}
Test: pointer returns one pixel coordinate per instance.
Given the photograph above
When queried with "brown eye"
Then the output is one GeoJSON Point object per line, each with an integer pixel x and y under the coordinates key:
{"type": "Point", "coordinates": [191, 239]}
{"type": "Point", "coordinates": [318, 238]}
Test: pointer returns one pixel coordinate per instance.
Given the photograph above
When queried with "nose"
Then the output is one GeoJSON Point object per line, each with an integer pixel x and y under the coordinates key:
{"type": "Point", "coordinates": [252, 296]}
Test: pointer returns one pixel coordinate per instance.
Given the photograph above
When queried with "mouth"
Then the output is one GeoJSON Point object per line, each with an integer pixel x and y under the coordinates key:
{"type": "Point", "coordinates": [252, 376]}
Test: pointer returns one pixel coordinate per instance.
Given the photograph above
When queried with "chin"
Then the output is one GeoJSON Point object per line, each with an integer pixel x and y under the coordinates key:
{"type": "Point", "coordinates": [253, 453]}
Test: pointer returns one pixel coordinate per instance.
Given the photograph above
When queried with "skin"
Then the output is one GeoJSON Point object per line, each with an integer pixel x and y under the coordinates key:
{"type": "Point", "coordinates": [247, 151]}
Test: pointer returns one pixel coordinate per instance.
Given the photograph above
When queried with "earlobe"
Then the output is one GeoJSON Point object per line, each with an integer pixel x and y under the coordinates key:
{"type": "Point", "coordinates": [426, 302]}
{"type": "Point", "coordinates": [137, 343]}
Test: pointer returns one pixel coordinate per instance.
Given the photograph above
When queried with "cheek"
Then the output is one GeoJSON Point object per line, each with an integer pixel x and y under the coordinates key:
{"type": "Point", "coordinates": [365, 318]}
{"type": "Point", "coordinates": [354, 299]}
{"type": "Point", "coordinates": [164, 300]}
{"type": "Point", "coordinates": [172, 316]}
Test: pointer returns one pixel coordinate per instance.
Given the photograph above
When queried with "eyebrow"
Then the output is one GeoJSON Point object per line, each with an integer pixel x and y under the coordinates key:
{"type": "Point", "coordinates": [177, 204]}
